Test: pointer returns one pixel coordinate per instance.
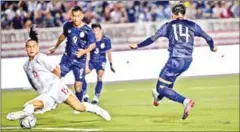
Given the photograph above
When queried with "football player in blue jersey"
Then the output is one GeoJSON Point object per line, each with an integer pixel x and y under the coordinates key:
{"type": "Point", "coordinates": [97, 60]}
{"type": "Point", "coordinates": [80, 41]}
{"type": "Point", "coordinates": [180, 33]}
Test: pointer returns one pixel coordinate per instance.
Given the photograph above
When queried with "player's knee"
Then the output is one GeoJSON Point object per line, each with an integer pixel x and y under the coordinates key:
{"type": "Point", "coordinates": [99, 78]}
{"type": "Point", "coordinates": [78, 86]}
{"type": "Point", "coordinates": [100, 75]}
{"type": "Point", "coordinates": [87, 71]}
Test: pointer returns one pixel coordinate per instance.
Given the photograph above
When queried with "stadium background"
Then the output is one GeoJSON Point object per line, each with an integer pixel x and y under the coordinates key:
{"type": "Point", "coordinates": [127, 23]}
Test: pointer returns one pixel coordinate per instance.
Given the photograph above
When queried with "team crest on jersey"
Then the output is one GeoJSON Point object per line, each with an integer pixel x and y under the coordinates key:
{"type": "Point", "coordinates": [69, 31]}
{"type": "Point", "coordinates": [81, 34]}
{"type": "Point", "coordinates": [102, 45]}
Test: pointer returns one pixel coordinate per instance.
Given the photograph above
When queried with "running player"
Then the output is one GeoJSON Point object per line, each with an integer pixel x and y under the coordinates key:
{"type": "Point", "coordinates": [97, 60]}
{"type": "Point", "coordinates": [180, 33]}
{"type": "Point", "coordinates": [80, 41]}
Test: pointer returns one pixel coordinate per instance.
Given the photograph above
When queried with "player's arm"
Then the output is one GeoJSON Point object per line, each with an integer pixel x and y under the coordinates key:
{"type": "Point", "coordinates": [200, 33]}
{"type": "Point", "coordinates": [109, 53]}
{"type": "Point", "coordinates": [48, 64]}
{"type": "Point", "coordinates": [87, 61]}
{"type": "Point", "coordinates": [162, 32]}
{"type": "Point", "coordinates": [89, 47]}
{"type": "Point", "coordinates": [61, 38]}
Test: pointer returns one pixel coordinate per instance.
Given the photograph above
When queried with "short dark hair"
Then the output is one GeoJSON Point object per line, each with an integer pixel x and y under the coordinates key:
{"type": "Point", "coordinates": [179, 8]}
{"type": "Point", "coordinates": [96, 25]}
{"type": "Point", "coordinates": [76, 8]}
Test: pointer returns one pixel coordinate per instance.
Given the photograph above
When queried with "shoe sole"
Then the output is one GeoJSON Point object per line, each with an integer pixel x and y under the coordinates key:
{"type": "Point", "coordinates": [187, 111]}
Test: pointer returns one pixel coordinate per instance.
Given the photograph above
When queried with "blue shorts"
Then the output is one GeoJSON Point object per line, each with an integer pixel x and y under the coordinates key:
{"type": "Point", "coordinates": [78, 68]}
{"type": "Point", "coordinates": [173, 68]}
{"type": "Point", "coordinates": [97, 65]}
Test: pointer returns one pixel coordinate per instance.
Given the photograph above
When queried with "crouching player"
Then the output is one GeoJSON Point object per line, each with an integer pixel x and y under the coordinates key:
{"type": "Point", "coordinates": [44, 78]}
{"type": "Point", "coordinates": [97, 60]}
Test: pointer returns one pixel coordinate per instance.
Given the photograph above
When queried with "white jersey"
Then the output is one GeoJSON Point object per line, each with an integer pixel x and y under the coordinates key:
{"type": "Point", "coordinates": [39, 73]}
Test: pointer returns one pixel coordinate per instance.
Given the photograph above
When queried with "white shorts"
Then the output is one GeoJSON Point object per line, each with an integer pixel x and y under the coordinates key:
{"type": "Point", "coordinates": [55, 96]}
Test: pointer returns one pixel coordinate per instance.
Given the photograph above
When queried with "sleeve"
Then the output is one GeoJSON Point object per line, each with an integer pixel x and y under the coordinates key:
{"type": "Point", "coordinates": [162, 32]}
{"type": "Point", "coordinates": [108, 45]}
{"type": "Point", "coordinates": [91, 38]}
{"type": "Point", "coordinates": [46, 62]}
{"type": "Point", "coordinates": [200, 33]}
{"type": "Point", "coordinates": [65, 28]}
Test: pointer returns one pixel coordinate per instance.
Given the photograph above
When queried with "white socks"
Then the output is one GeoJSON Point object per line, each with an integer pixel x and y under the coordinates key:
{"type": "Point", "coordinates": [186, 101]}
{"type": "Point", "coordinates": [29, 108]}
{"type": "Point", "coordinates": [91, 108]}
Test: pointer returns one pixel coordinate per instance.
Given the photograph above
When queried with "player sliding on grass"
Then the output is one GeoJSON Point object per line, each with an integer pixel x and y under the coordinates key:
{"type": "Point", "coordinates": [43, 76]}
{"type": "Point", "coordinates": [180, 33]}
{"type": "Point", "coordinates": [97, 60]}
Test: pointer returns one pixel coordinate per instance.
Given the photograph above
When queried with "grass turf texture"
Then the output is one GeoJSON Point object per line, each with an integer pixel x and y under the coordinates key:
{"type": "Point", "coordinates": [130, 105]}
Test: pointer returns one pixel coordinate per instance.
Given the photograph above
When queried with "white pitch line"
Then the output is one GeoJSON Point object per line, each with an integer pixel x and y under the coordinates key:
{"type": "Point", "coordinates": [54, 129]}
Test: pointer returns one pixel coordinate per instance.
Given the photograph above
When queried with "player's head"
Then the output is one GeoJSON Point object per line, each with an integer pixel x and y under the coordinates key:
{"type": "Point", "coordinates": [178, 11]}
{"type": "Point", "coordinates": [32, 46]}
{"type": "Point", "coordinates": [97, 29]}
{"type": "Point", "coordinates": [77, 15]}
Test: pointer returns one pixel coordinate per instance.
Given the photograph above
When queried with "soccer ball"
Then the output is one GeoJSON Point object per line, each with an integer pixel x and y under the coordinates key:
{"type": "Point", "coordinates": [28, 122]}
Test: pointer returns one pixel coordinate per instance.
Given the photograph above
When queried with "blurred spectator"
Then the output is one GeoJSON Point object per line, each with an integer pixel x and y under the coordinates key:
{"type": "Point", "coordinates": [22, 14]}
{"type": "Point", "coordinates": [17, 21]}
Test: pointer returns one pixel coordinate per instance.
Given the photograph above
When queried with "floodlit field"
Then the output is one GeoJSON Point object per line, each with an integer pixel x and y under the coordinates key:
{"type": "Point", "coordinates": [130, 104]}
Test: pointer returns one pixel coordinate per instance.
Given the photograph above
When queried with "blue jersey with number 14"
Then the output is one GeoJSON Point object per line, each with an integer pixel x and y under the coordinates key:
{"type": "Point", "coordinates": [180, 33]}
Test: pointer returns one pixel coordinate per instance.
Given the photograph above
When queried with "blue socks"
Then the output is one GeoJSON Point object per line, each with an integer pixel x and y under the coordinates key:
{"type": "Point", "coordinates": [79, 95]}
{"type": "Point", "coordinates": [98, 88]}
{"type": "Point", "coordinates": [165, 91]}
{"type": "Point", "coordinates": [84, 87]}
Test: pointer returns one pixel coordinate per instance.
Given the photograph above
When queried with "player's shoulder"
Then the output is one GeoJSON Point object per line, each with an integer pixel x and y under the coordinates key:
{"type": "Point", "coordinates": [106, 38]}
{"type": "Point", "coordinates": [87, 28]}
{"type": "Point", "coordinates": [67, 23]}
{"type": "Point", "coordinates": [41, 56]}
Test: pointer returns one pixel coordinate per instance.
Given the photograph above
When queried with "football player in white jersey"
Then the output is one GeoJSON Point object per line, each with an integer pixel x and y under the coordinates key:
{"type": "Point", "coordinates": [44, 78]}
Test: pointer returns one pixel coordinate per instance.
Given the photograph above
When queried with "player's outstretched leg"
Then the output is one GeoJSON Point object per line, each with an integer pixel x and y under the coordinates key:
{"type": "Point", "coordinates": [27, 111]}
{"type": "Point", "coordinates": [165, 91]}
{"type": "Point", "coordinates": [76, 105]}
{"type": "Point", "coordinates": [98, 87]}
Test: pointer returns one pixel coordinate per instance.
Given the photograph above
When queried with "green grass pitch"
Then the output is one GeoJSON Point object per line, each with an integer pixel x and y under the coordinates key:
{"type": "Point", "coordinates": [130, 104]}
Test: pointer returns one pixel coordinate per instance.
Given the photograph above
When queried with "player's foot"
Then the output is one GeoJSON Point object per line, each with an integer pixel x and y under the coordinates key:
{"type": "Point", "coordinates": [95, 100]}
{"type": "Point", "coordinates": [103, 113]}
{"type": "Point", "coordinates": [85, 98]}
{"type": "Point", "coordinates": [76, 112]}
{"type": "Point", "coordinates": [16, 115]}
{"type": "Point", "coordinates": [188, 104]}
{"type": "Point", "coordinates": [155, 95]}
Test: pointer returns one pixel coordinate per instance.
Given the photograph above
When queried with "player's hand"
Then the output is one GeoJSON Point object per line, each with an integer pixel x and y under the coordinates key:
{"type": "Point", "coordinates": [214, 49]}
{"type": "Point", "coordinates": [52, 50]}
{"type": "Point", "coordinates": [133, 46]}
{"type": "Point", "coordinates": [80, 53]}
{"type": "Point", "coordinates": [111, 66]}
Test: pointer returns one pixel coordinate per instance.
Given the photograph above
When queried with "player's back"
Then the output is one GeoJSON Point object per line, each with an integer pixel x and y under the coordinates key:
{"type": "Point", "coordinates": [181, 33]}
{"type": "Point", "coordinates": [39, 73]}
